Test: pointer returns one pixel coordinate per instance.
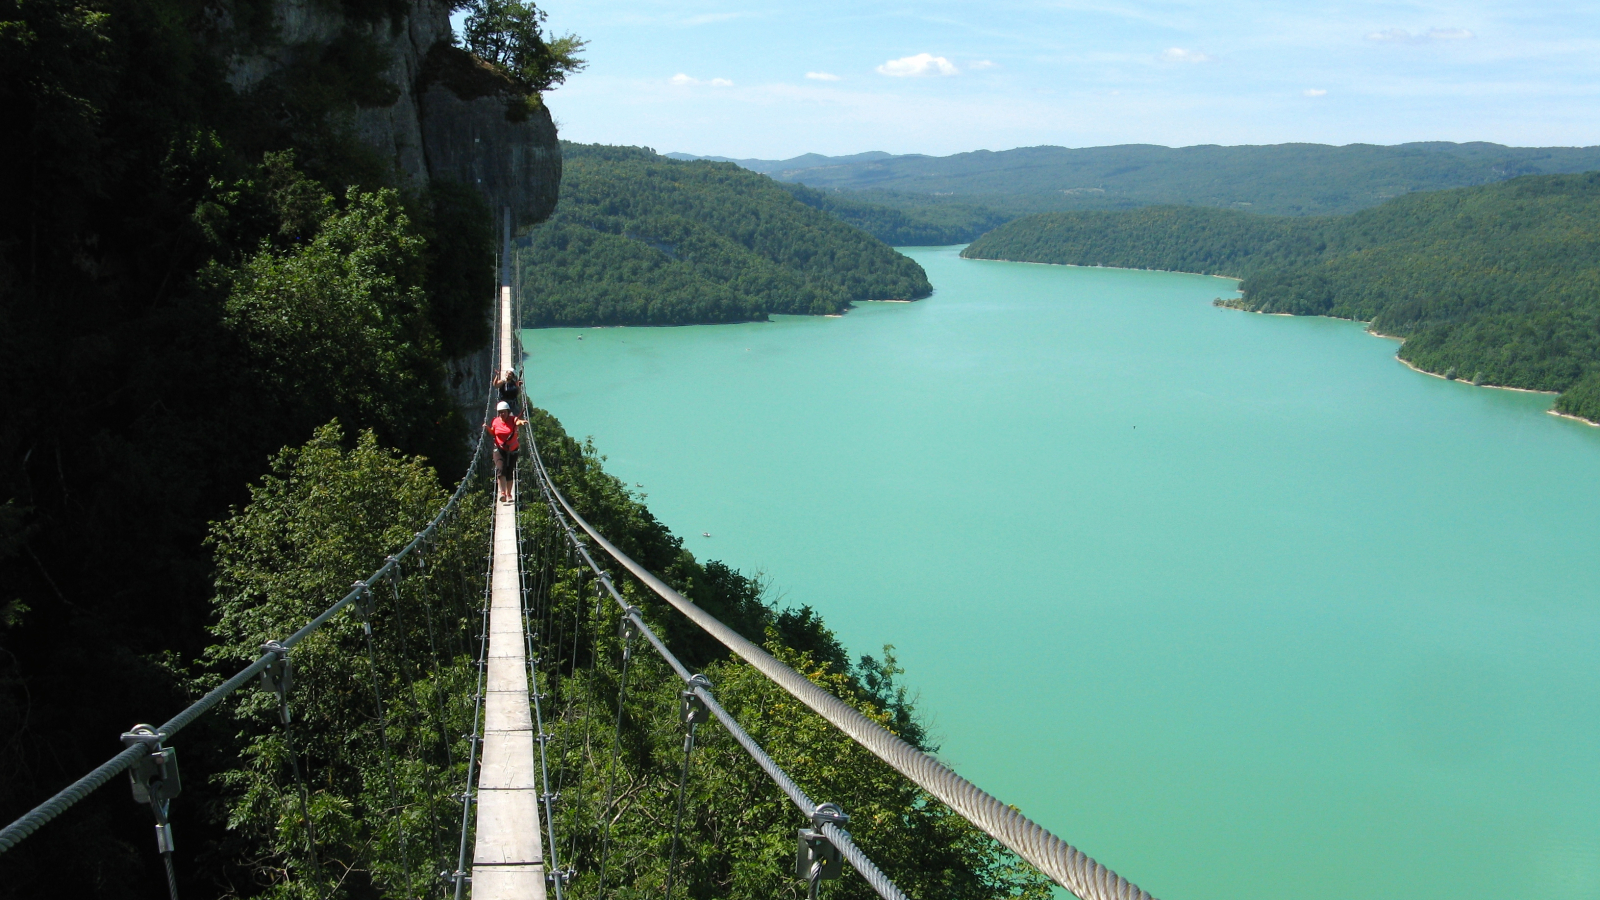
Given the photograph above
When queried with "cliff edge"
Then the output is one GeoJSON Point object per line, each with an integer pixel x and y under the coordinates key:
{"type": "Point", "coordinates": [433, 111]}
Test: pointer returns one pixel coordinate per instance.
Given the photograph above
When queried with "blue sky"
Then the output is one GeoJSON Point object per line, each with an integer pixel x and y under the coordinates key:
{"type": "Point", "coordinates": [754, 78]}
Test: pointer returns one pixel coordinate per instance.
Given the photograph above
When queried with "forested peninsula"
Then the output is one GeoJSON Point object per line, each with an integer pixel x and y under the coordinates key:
{"type": "Point", "coordinates": [1497, 284]}
{"type": "Point", "coordinates": [640, 239]}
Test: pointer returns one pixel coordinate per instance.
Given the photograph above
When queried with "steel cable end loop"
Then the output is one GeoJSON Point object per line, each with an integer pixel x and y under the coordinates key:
{"type": "Point", "coordinates": [278, 676]}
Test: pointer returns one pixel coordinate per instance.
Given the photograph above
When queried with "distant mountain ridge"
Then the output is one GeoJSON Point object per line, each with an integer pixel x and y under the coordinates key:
{"type": "Point", "coordinates": [782, 169]}
{"type": "Point", "coordinates": [1281, 179]}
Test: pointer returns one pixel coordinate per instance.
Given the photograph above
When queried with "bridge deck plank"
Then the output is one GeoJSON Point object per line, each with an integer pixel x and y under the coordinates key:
{"type": "Point", "coordinates": [508, 857]}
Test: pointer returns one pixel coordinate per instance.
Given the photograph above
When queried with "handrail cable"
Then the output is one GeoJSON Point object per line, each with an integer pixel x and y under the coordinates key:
{"type": "Point", "coordinates": [555, 874]}
{"type": "Point", "coordinates": [1061, 862]}
{"type": "Point", "coordinates": [150, 742]}
{"type": "Point", "coordinates": [468, 799]}
{"type": "Point", "coordinates": [824, 817]}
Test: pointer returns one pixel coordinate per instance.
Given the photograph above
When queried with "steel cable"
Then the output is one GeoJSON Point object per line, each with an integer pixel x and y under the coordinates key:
{"type": "Point", "coordinates": [616, 748]}
{"type": "Point", "coordinates": [1066, 865]}
{"type": "Point", "coordinates": [699, 687]}
{"type": "Point", "coordinates": [383, 741]}
{"type": "Point", "coordinates": [467, 796]}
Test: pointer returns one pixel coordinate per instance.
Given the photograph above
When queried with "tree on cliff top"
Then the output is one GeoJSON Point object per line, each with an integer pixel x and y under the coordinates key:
{"type": "Point", "coordinates": [508, 35]}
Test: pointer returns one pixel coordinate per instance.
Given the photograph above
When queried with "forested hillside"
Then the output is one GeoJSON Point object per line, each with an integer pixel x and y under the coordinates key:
{"type": "Point", "coordinates": [193, 275]}
{"type": "Point", "coordinates": [1281, 179]}
{"type": "Point", "coordinates": [918, 199]}
{"type": "Point", "coordinates": [291, 548]}
{"type": "Point", "coordinates": [1498, 284]}
{"type": "Point", "coordinates": [639, 239]}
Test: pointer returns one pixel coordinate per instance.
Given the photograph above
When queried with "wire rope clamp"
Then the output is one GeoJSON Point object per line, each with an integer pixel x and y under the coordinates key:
{"type": "Point", "coordinates": [155, 779]}
{"type": "Point", "coordinates": [364, 603]}
{"type": "Point", "coordinates": [816, 858]}
{"type": "Point", "coordinates": [693, 709]}
{"type": "Point", "coordinates": [278, 676]}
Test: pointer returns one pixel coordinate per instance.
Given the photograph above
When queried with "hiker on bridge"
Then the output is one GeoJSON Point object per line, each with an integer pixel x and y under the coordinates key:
{"type": "Point", "coordinates": [510, 388]}
{"type": "Point", "coordinates": [503, 428]}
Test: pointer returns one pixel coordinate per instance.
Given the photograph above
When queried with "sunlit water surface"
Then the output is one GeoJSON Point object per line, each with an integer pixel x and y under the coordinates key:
{"type": "Point", "coordinates": [1238, 604]}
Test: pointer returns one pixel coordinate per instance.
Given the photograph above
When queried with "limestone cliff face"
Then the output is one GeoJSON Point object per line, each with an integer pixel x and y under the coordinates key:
{"type": "Point", "coordinates": [453, 118]}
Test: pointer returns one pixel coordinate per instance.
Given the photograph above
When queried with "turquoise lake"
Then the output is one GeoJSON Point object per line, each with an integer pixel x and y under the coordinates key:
{"type": "Point", "coordinates": [1237, 604]}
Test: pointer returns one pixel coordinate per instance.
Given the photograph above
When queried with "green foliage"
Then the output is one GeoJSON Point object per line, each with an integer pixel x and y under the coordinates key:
{"type": "Point", "coordinates": [323, 516]}
{"type": "Point", "coordinates": [902, 220]}
{"type": "Point", "coordinates": [128, 166]}
{"type": "Point", "coordinates": [346, 312]}
{"type": "Point", "coordinates": [508, 34]}
{"type": "Point", "coordinates": [640, 239]}
{"type": "Point", "coordinates": [382, 816]}
{"type": "Point", "coordinates": [1582, 399]}
{"type": "Point", "coordinates": [459, 230]}
{"type": "Point", "coordinates": [1502, 281]}
{"type": "Point", "coordinates": [1172, 238]}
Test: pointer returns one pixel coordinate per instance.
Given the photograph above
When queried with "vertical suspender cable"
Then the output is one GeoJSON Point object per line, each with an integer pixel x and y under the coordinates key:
{"type": "Point", "coordinates": [616, 748]}
{"type": "Point", "coordinates": [383, 741]}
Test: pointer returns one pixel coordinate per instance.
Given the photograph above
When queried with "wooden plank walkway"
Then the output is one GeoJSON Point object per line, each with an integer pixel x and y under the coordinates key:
{"type": "Point", "coordinates": [508, 858]}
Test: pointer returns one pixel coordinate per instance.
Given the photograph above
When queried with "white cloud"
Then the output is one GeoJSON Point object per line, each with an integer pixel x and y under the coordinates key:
{"type": "Point", "coordinates": [1402, 36]}
{"type": "Point", "coordinates": [822, 76]}
{"type": "Point", "coordinates": [1180, 55]}
{"type": "Point", "coordinates": [682, 79]}
{"type": "Point", "coordinates": [1315, 92]}
{"type": "Point", "coordinates": [921, 64]}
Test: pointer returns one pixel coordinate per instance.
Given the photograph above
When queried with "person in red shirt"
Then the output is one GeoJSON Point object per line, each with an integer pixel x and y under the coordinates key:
{"type": "Point", "coordinates": [503, 429]}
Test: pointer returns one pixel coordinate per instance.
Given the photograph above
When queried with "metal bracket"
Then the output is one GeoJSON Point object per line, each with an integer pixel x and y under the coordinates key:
{"type": "Point", "coordinates": [155, 779]}
{"type": "Point", "coordinates": [692, 709]}
{"type": "Point", "coordinates": [816, 859]}
{"type": "Point", "coordinates": [364, 603]}
{"type": "Point", "coordinates": [278, 676]}
{"type": "Point", "coordinates": [628, 629]}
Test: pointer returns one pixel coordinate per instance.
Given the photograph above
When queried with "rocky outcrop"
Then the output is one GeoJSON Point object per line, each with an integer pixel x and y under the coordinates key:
{"type": "Point", "coordinates": [478, 131]}
{"type": "Point", "coordinates": [453, 118]}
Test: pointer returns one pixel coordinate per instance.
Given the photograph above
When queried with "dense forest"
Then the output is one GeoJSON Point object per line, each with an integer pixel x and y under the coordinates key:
{"type": "Point", "coordinates": [376, 774]}
{"type": "Point", "coordinates": [191, 278]}
{"type": "Point", "coordinates": [915, 199]}
{"type": "Point", "coordinates": [1495, 284]}
{"type": "Point", "coordinates": [640, 239]}
{"type": "Point", "coordinates": [1280, 179]}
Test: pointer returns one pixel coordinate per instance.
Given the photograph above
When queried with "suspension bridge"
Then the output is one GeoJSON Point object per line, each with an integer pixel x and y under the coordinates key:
{"type": "Point", "coordinates": [508, 846]}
